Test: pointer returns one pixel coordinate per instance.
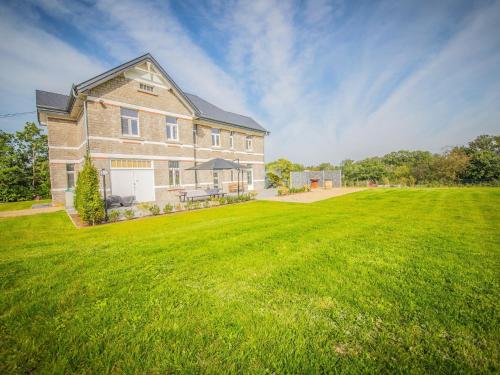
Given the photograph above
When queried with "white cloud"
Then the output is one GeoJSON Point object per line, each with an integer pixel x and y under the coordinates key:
{"type": "Point", "coordinates": [33, 59]}
{"type": "Point", "coordinates": [329, 80]}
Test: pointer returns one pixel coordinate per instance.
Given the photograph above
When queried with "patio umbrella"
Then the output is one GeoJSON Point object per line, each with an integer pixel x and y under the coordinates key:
{"type": "Point", "coordinates": [216, 165]}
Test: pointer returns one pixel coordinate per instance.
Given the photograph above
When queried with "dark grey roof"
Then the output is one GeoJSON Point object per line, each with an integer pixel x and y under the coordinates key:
{"type": "Point", "coordinates": [209, 111]}
{"type": "Point", "coordinates": [202, 108]}
{"type": "Point", "coordinates": [51, 100]}
{"type": "Point", "coordinates": [217, 164]}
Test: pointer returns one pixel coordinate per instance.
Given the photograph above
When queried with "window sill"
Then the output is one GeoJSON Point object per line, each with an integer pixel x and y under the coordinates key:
{"type": "Point", "coordinates": [173, 141]}
{"type": "Point", "coordinates": [132, 137]}
{"type": "Point", "coordinates": [147, 92]}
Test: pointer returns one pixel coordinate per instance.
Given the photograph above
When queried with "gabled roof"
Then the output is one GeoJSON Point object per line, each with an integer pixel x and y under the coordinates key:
{"type": "Point", "coordinates": [201, 108]}
{"type": "Point", "coordinates": [211, 112]}
{"type": "Point", "coordinates": [51, 101]}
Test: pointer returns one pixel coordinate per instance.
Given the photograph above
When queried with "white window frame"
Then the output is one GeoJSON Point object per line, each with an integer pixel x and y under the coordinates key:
{"type": "Point", "coordinates": [70, 173]}
{"type": "Point", "coordinates": [147, 88]}
{"type": "Point", "coordinates": [249, 143]}
{"type": "Point", "coordinates": [215, 137]}
{"type": "Point", "coordinates": [174, 170]}
{"type": "Point", "coordinates": [216, 173]}
{"type": "Point", "coordinates": [171, 126]}
{"type": "Point", "coordinates": [231, 140]}
{"type": "Point", "coordinates": [129, 123]}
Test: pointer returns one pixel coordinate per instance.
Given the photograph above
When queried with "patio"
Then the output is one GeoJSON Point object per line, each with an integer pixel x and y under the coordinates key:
{"type": "Point", "coordinates": [310, 196]}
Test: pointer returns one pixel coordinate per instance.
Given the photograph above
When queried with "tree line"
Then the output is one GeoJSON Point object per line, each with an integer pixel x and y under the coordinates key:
{"type": "Point", "coordinates": [478, 162]}
{"type": "Point", "coordinates": [24, 166]}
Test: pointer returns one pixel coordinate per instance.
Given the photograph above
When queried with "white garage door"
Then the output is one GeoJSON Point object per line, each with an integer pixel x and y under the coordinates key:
{"type": "Point", "coordinates": [137, 182]}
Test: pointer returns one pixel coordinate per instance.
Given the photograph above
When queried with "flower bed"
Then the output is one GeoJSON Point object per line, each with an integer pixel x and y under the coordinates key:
{"type": "Point", "coordinates": [283, 190]}
{"type": "Point", "coordinates": [148, 209]}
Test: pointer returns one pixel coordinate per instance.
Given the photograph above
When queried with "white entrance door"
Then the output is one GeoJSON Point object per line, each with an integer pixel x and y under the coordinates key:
{"type": "Point", "coordinates": [137, 182]}
{"type": "Point", "coordinates": [250, 178]}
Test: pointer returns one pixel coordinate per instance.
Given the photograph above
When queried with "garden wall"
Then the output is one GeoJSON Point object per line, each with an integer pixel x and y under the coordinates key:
{"type": "Point", "coordinates": [299, 179]}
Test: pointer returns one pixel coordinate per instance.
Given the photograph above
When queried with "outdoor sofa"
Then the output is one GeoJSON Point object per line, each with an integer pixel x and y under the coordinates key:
{"type": "Point", "coordinates": [116, 200]}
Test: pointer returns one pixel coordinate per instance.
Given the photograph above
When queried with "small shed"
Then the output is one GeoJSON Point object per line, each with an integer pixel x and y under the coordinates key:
{"type": "Point", "coordinates": [315, 179]}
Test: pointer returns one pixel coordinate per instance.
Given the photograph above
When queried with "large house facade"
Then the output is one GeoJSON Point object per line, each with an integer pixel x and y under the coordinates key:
{"type": "Point", "coordinates": [140, 127]}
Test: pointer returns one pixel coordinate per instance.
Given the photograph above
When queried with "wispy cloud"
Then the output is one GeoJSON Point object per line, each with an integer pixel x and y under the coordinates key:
{"type": "Point", "coordinates": [330, 79]}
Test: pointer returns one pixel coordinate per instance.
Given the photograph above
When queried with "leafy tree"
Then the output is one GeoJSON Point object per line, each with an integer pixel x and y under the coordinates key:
{"type": "Point", "coordinates": [484, 158]}
{"type": "Point", "coordinates": [24, 169]}
{"type": "Point", "coordinates": [282, 168]}
{"type": "Point", "coordinates": [449, 167]}
{"type": "Point", "coordinates": [88, 201]}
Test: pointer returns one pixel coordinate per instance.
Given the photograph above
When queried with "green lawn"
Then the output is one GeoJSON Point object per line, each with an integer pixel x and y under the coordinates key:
{"type": "Point", "coordinates": [381, 280]}
{"type": "Point", "coordinates": [14, 206]}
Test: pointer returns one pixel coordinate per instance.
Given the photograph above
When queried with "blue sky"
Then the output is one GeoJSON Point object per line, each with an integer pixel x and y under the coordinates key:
{"type": "Point", "coordinates": [330, 79]}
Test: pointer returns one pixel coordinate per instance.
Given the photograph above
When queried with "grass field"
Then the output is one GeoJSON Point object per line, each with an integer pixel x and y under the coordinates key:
{"type": "Point", "coordinates": [14, 206]}
{"type": "Point", "coordinates": [381, 280]}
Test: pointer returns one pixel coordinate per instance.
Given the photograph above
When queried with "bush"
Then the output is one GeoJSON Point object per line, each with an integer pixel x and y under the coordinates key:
{"type": "Point", "coordinates": [145, 208]}
{"type": "Point", "coordinates": [154, 209]}
{"type": "Point", "coordinates": [223, 200]}
{"type": "Point", "coordinates": [168, 208]}
{"type": "Point", "coordinates": [114, 215]}
{"type": "Point", "coordinates": [283, 190]}
{"type": "Point", "coordinates": [129, 213]}
{"type": "Point", "coordinates": [179, 207]}
{"type": "Point", "coordinates": [88, 201]}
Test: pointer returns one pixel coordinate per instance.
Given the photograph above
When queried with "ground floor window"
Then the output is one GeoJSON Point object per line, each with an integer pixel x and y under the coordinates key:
{"type": "Point", "coordinates": [174, 173]}
{"type": "Point", "coordinates": [216, 180]}
{"type": "Point", "coordinates": [250, 176]}
{"type": "Point", "coordinates": [70, 175]}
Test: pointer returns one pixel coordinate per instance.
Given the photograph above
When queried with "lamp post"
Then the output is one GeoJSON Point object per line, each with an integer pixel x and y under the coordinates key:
{"type": "Point", "coordinates": [103, 172]}
{"type": "Point", "coordinates": [238, 161]}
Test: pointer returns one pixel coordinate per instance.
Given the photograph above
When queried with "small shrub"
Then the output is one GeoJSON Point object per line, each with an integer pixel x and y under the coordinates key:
{"type": "Point", "coordinates": [144, 207]}
{"type": "Point", "coordinates": [179, 207]}
{"type": "Point", "coordinates": [189, 205]}
{"type": "Point", "coordinates": [154, 209]}
{"type": "Point", "coordinates": [88, 201]}
{"type": "Point", "coordinates": [168, 208]}
{"type": "Point", "coordinates": [114, 215]}
{"type": "Point", "coordinates": [223, 200]}
{"type": "Point", "coordinates": [129, 213]}
{"type": "Point", "coordinates": [196, 205]}
{"type": "Point", "coordinates": [283, 190]}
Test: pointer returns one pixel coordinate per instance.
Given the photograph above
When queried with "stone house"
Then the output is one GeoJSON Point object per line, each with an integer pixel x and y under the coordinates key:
{"type": "Point", "coordinates": [139, 126]}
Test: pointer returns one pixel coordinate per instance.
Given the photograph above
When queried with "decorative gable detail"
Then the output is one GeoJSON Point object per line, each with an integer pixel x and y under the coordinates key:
{"type": "Point", "coordinates": [148, 74]}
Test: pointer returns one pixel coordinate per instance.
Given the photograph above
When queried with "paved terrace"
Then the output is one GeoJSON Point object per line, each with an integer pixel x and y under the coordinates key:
{"type": "Point", "coordinates": [311, 196]}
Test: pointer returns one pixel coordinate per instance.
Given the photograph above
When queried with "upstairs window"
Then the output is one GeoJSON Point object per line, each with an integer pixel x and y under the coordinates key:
{"type": "Point", "coordinates": [70, 175]}
{"type": "Point", "coordinates": [249, 143]}
{"type": "Point", "coordinates": [216, 137]}
{"type": "Point", "coordinates": [172, 129]}
{"type": "Point", "coordinates": [231, 140]}
{"type": "Point", "coordinates": [130, 122]}
{"type": "Point", "coordinates": [174, 173]}
{"type": "Point", "coordinates": [147, 88]}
